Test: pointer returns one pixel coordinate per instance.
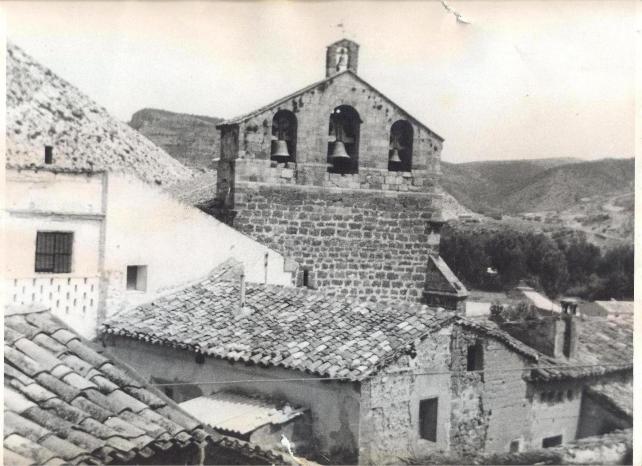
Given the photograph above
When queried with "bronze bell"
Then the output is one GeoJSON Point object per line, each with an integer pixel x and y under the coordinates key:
{"type": "Point", "coordinates": [394, 157]}
{"type": "Point", "coordinates": [280, 150]}
{"type": "Point", "coordinates": [339, 152]}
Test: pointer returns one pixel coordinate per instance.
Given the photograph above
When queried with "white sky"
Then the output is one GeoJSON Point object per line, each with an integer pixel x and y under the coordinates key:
{"type": "Point", "coordinates": [524, 80]}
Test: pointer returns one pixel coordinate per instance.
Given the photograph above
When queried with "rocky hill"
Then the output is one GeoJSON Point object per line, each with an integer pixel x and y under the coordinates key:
{"type": "Point", "coordinates": [45, 110]}
{"type": "Point", "coordinates": [191, 139]}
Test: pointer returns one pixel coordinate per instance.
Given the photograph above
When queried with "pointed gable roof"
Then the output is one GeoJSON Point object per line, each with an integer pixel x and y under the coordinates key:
{"type": "Point", "coordinates": [326, 82]}
{"type": "Point", "coordinates": [45, 110]}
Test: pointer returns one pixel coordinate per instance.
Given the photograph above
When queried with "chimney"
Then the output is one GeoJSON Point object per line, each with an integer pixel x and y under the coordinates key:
{"type": "Point", "coordinates": [555, 335]}
{"type": "Point", "coordinates": [242, 290]}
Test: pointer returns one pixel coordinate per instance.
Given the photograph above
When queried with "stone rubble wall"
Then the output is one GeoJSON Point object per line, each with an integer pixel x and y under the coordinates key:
{"type": "Point", "coordinates": [355, 243]}
{"type": "Point", "coordinates": [389, 429]}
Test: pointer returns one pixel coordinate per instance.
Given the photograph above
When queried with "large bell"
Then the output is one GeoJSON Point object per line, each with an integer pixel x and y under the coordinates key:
{"type": "Point", "coordinates": [394, 157]}
{"type": "Point", "coordinates": [280, 150]}
{"type": "Point", "coordinates": [339, 152]}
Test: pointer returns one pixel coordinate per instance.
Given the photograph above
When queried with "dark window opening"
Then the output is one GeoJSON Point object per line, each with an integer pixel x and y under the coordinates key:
{"type": "Point", "coordinates": [137, 277]}
{"type": "Point", "coordinates": [169, 391]}
{"type": "Point", "coordinates": [514, 446]}
{"type": "Point", "coordinates": [343, 140]}
{"type": "Point", "coordinates": [53, 252]}
{"type": "Point", "coordinates": [569, 394]}
{"type": "Point", "coordinates": [428, 419]}
{"type": "Point", "coordinates": [549, 442]}
{"type": "Point", "coordinates": [400, 148]}
{"type": "Point", "coordinates": [284, 136]}
{"type": "Point", "coordinates": [307, 278]}
{"type": "Point", "coordinates": [200, 358]}
{"type": "Point", "coordinates": [475, 358]}
{"type": "Point", "coordinates": [48, 155]}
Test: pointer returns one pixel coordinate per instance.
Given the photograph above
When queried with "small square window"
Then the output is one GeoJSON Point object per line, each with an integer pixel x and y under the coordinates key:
{"type": "Point", "coordinates": [137, 277]}
{"type": "Point", "coordinates": [428, 419]}
{"type": "Point", "coordinates": [549, 442]}
{"type": "Point", "coordinates": [475, 358]}
{"type": "Point", "coordinates": [514, 446]}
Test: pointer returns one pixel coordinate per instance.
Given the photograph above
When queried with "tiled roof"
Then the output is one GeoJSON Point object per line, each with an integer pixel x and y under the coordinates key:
{"type": "Point", "coordinates": [490, 329]}
{"type": "Point", "coordinates": [618, 396]}
{"type": "Point", "coordinates": [329, 79]}
{"type": "Point", "coordinates": [64, 402]}
{"type": "Point", "coordinates": [604, 345]}
{"type": "Point", "coordinates": [196, 191]}
{"type": "Point", "coordinates": [44, 110]}
{"type": "Point", "coordinates": [289, 327]}
{"type": "Point", "coordinates": [238, 414]}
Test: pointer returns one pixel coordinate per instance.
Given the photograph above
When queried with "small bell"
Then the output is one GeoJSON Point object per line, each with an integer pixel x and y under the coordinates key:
{"type": "Point", "coordinates": [280, 150]}
{"type": "Point", "coordinates": [339, 152]}
{"type": "Point", "coordinates": [394, 156]}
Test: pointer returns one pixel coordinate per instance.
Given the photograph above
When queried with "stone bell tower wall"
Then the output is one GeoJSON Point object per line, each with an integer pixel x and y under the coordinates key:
{"type": "Point", "coordinates": [364, 234]}
{"type": "Point", "coordinates": [353, 242]}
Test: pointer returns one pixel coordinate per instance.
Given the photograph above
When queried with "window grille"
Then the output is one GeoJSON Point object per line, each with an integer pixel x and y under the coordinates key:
{"type": "Point", "coordinates": [53, 252]}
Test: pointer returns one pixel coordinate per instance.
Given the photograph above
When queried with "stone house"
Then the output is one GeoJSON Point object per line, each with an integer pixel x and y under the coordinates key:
{"type": "Point", "coordinates": [343, 180]}
{"type": "Point", "coordinates": [65, 402]}
{"type": "Point", "coordinates": [89, 228]}
{"type": "Point", "coordinates": [380, 381]}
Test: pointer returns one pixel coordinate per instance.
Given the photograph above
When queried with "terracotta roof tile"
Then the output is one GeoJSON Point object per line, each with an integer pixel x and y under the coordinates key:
{"type": "Point", "coordinates": [288, 327]}
{"type": "Point", "coordinates": [64, 401]}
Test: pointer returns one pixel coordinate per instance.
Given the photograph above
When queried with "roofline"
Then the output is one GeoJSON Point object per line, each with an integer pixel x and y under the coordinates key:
{"type": "Point", "coordinates": [56, 169]}
{"type": "Point", "coordinates": [342, 40]}
{"type": "Point", "coordinates": [240, 119]}
{"type": "Point", "coordinates": [106, 329]}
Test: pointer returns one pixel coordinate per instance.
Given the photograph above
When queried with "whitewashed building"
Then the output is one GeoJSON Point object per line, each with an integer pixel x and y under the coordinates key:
{"type": "Point", "coordinates": [89, 229]}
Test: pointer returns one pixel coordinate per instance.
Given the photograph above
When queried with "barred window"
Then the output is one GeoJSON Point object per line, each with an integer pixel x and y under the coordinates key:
{"type": "Point", "coordinates": [53, 251]}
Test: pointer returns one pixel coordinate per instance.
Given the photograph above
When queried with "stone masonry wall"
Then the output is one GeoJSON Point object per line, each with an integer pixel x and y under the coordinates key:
{"type": "Point", "coordinates": [490, 409]}
{"type": "Point", "coordinates": [354, 243]}
{"type": "Point", "coordinates": [389, 420]}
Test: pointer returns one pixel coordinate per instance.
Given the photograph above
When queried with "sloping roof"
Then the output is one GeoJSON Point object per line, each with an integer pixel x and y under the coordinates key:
{"type": "Point", "coordinates": [66, 402]}
{"type": "Point", "coordinates": [491, 329]}
{"type": "Point", "coordinates": [450, 282]}
{"type": "Point", "coordinates": [196, 191]}
{"type": "Point", "coordinates": [618, 396]}
{"type": "Point", "coordinates": [44, 110]}
{"type": "Point", "coordinates": [290, 327]}
{"type": "Point", "coordinates": [328, 80]}
{"type": "Point", "coordinates": [539, 300]}
{"type": "Point", "coordinates": [236, 413]}
{"type": "Point", "coordinates": [604, 345]}
{"type": "Point", "coordinates": [617, 307]}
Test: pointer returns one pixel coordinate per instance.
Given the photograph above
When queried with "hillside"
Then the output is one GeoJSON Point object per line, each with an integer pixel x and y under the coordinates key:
{"type": "Point", "coordinates": [535, 185]}
{"type": "Point", "coordinates": [558, 188]}
{"type": "Point", "coordinates": [45, 110]}
{"type": "Point", "coordinates": [191, 139]}
{"type": "Point", "coordinates": [483, 185]}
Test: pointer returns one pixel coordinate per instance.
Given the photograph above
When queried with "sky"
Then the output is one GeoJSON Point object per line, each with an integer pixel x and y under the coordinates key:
{"type": "Point", "coordinates": [523, 80]}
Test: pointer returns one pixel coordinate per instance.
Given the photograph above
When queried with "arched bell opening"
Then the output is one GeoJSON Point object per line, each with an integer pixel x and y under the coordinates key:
{"type": "Point", "coordinates": [400, 148]}
{"type": "Point", "coordinates": [284, 135]}
{"type": "Point", "coordinates": [343, 140]}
